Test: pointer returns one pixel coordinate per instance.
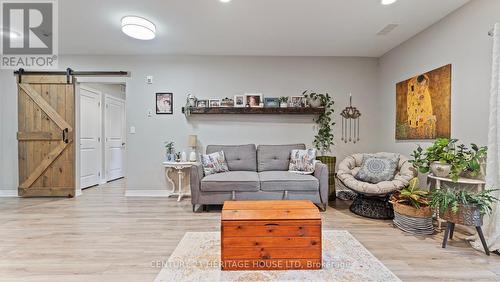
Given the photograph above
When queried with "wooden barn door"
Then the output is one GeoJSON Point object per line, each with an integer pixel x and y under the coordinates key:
{"type": "Point", "coordinates": [46, 116]}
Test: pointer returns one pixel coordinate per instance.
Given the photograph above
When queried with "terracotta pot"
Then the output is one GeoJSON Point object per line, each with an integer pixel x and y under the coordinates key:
{"type": "Point", "coordinates": [440, 170]}
{"type": "Point", "coordinates": [469, 215]}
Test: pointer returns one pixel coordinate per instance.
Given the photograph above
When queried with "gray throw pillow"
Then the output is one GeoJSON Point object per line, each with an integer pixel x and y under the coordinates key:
{"type": "Point", "coordinates": [377, 169]}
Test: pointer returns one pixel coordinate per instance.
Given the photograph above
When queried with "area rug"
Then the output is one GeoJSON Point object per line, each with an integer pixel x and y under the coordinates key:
{"type": "Point", "coordinates": [197, 258]}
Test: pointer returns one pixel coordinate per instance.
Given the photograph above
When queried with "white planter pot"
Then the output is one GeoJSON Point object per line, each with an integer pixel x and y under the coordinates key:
{"type": "Point", "coordinates": [284, 105]}
{"type": "Point", "coordinates": [316, 103]}
{"type": "Point", "coordinates": [440, 169]}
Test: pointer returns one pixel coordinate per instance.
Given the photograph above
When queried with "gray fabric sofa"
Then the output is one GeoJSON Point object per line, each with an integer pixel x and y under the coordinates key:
{"type": "Point", "coordinates": [258, 173]}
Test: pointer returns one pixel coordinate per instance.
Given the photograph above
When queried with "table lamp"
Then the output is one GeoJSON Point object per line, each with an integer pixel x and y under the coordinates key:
{"type": "Point", "coordinates": [192, 143]}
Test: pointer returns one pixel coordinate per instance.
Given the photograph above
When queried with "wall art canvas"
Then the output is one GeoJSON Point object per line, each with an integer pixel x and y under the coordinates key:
{"type": "Point", "coordinates": [423, 106]}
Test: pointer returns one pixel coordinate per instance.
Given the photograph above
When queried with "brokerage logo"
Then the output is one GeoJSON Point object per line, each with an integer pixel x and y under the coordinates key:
{"type": "Point", "coordinates": [29, 34]}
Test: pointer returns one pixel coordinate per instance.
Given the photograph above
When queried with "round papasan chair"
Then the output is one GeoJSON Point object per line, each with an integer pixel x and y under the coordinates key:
{"type": "Point", "coordinates": [372, 199]}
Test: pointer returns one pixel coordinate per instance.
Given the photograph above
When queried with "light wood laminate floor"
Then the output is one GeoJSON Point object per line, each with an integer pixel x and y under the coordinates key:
{"type": "Point", "coordinates": [105, 236]}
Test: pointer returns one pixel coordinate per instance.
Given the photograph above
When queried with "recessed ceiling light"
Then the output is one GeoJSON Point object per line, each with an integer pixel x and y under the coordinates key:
{"type": "Point", "coordinates": [138, 28]}
{"type": "Point", "coordinates": [225, 1]}
{"type": "Point", "coordinates": [388, 2]}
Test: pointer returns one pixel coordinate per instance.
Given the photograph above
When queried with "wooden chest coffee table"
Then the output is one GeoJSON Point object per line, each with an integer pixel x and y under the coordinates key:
{"type": "Point", "coordinates": [270, 235]}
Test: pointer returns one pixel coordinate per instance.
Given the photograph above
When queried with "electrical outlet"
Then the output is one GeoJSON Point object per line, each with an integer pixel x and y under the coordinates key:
{"type": "Point", "coordinates": [149, 79]}
{"type": "Point", "coordinates": [150, 113]}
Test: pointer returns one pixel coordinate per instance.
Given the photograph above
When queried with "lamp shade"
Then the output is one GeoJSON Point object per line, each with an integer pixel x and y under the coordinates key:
{"type": "Point", "coordinates": [192, 141]}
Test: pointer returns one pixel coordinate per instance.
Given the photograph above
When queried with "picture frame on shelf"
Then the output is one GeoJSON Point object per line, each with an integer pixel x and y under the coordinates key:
{"type": "Point", "coordinates": [202, 104]}
{"type": "Point", "coordinates": [227, 103]}
{"type": "Point", "coordinates": [164, 103]}
{"type": "Point", "coordinates": [239, 101]}
{"type": "Point", "coordinates": [296, 101]}
{"type": "Point", "coordinates": [271, 102]}
{"type": "Point", "coordinates": [214, 103]}
{"type": "Point", "coordinates": [254, 100]}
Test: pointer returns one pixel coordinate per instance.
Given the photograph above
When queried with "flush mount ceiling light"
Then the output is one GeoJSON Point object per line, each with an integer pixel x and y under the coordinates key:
{"type": "Point", "coordinates": [225, 1]}
{"type": "Point", "coordinates": [388, 2]}
{"type": "Point", "coordinates": [138, 28]}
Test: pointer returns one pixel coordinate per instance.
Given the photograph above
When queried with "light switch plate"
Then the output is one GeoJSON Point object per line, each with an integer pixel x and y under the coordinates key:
{"type": "Point", "coordinates": [132, 130]}
{"type": "Point", "coordinates": [149, 79]}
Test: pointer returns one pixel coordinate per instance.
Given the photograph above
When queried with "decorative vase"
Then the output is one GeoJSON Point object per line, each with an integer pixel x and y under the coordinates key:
{"type": "Point", "coordinates": [170, 157]}
{"type": "Point", "coordinates": [440, 169]}
{"type": "Point", "coordinates": [315, 103]}
{"type": "Point", "coordinates": [192, 156]}
{"type": "Point", "coordinates": [330, 162]}
{"type": "Point", "coordinates": [283, 105]}
{"type": "Point", "coordinates": [191, 101]}
{"type": "Point", "coordinates": [469, 215]}
{"type": "Point", "coordinates": [183, 156]}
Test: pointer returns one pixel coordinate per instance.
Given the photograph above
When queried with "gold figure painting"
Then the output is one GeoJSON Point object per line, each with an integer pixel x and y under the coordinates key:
{"type": "Point", "coordinates": [423, 106]}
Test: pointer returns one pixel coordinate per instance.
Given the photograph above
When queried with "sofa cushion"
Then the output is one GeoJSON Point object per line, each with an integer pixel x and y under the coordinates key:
{"type": "Point", "coordinates": [276, 157]}
{"type": "Point", "coordinates": [238, 157]}
{"type": "Point", "coordinates": [284, 180]}
{"type": "Point", "coordinates": [231, 181]}
{"type": "Point", "coordinates": [214, 163]}
{"type": "Point", "coordinates": [377, 169]}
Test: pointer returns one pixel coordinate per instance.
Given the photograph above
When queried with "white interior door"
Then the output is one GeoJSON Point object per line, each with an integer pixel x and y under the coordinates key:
{"type": "Point", "coordinates": [90, 137]}
{"type": "Point", "coordinates": [115, 138]}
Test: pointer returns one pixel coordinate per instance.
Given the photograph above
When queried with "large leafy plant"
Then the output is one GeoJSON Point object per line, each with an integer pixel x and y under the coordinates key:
{"type": "Point", "coordinates": [446, 151]}
{"type": "Point", "coordinates": [323, 140]}
{"type": "Point", "coordinates": [412, 195]}
{"type": "Point", "coordinates": [452, 199]}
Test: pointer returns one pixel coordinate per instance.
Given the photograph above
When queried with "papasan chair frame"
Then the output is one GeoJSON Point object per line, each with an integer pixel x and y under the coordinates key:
{"type": "Point", "coordinates": [372, 200]}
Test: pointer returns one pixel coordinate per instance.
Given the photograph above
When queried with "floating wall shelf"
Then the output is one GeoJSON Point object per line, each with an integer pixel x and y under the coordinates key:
{"type": "Point", "coordinates": [264, 111]}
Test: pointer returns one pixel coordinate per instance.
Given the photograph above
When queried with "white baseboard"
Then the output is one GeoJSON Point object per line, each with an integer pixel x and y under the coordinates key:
{"type": "Point", "coordinates": [8, 193]}
{"type": "Point", "coordinates": [78, 192]}
{"type": "Point", "coordinates": [147, 193]}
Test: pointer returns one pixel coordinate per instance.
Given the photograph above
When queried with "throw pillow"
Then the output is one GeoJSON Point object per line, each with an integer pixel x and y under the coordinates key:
{"type": "Point", "coordinates": [377, 169]}
{"type": "Point", "coordinates": [302, 161]}
{"type": "Point", "coordinates": [214, 163]}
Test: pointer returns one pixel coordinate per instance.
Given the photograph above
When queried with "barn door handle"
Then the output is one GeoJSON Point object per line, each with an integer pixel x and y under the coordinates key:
{"type": "Point", "coordinates": [271, 224]}
{"type": "Point", "coordinates": [65, 136]}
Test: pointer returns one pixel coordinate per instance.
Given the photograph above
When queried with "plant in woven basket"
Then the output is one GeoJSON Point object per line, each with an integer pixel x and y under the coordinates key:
{"type": "Point", "coordinates": [412, 196]}
{"type": "Point", "coordinates": [412, 211]}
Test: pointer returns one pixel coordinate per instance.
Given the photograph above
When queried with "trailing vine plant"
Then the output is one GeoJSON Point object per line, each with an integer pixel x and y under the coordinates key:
{"type": "Point", "coordinates": [323, 140]}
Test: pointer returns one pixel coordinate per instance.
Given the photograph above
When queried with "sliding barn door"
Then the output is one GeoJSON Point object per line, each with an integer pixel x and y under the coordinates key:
{"type": "Point", "coordinates": [46, 115]}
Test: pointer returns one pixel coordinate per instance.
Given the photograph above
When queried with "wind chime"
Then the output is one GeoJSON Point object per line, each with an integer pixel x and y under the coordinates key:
{"type": "Point", "coordinates": [350, 123]}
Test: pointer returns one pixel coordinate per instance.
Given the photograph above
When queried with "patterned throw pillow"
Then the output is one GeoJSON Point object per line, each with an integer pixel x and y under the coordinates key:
{"type": "Point", "coordinates": [214, 163]}
{"type": "Point", "coordinates": [302, 161]}
{"type": "Point", "coordinates": [377, 169]}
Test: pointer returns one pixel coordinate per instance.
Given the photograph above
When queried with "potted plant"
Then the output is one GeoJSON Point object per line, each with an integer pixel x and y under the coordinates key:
{"type": "Point", "coordinates": [412, 210]}
{"type": "Point", "coordinates": [170, 152]}
{"type": "Point", "coordinates": [283, 102]}
{"type": "Point", "coordinates": [314, 100]}
{"type": "Point", "coordinates": [462, 206]}
{"type": "Point", "coordinates": [447, 159]}
{"type": "Point", "coordinates": [323, 140]}
{"type": "Point", "coordinates": [472, 161]}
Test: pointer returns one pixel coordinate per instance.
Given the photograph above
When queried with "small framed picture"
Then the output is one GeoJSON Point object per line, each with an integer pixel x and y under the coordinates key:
{"type": "Point", "coordinates": [214, 103]}
{"type": "Point", "coordinates": [164, 103]}
{"type": "Point", "coordinates": [226, 102]}
{"type": "Point", "coordinates": [253, 100]}
{"type": "Point", "coordinates": [202, 104]}
{"type": "Point", "coordinates": [271, 102]}
{"type": "Point", "coordinates": [296, 101]}
{"type": "Point", "coordinates": [239, 101]}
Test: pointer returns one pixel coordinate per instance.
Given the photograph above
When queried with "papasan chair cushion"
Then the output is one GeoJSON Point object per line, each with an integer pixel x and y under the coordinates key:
{"type": "Point", "coordinates": [351, 165]}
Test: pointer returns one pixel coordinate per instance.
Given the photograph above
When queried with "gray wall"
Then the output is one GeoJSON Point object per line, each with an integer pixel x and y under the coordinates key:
{"type": "Point", "coordinates": [460, 39]}
{"type": "Point", "coordinates": [216, 77]}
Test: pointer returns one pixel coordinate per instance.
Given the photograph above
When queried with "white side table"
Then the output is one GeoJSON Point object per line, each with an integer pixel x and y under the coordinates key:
{"type": "Point", "coordinates": [480, 184]}
{"type": "Point", "coordinates": [182, 186]}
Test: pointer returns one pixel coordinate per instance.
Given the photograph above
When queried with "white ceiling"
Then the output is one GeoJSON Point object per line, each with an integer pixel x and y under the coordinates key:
{"type": "Point", "coordinates": [247, 27]}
